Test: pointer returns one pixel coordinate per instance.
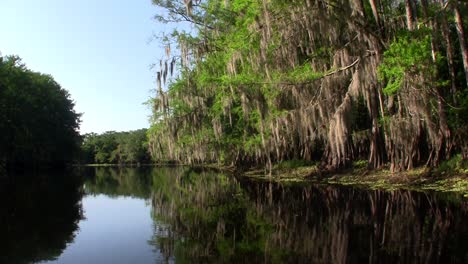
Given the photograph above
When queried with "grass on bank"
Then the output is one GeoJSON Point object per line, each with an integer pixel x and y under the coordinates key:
{"type": "Point", "coordinates": [450, 176]}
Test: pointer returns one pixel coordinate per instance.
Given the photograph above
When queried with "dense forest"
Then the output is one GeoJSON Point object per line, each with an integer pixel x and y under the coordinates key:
{"type": "Point", "coordinates": [256, 82]}
{"type": "Point", "coordinates": [112, 147]}
{"type": "Point", "coordinates": [40, 126]}
{"type": "Point", "coordinates": [38, 123]}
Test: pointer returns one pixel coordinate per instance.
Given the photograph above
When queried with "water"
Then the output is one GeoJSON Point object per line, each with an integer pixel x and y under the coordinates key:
{"type": "Point", "coordinates": [183, 215]}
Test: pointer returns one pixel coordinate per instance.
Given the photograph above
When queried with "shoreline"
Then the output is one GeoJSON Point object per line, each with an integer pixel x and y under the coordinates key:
{"type": "Point", "coordinates": [418, 179]}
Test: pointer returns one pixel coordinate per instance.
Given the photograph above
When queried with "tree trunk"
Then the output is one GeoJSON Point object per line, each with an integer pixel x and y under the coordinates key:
{"type": "Point", "coordinates": [461, 38]}
{"type": "Point", "coordinates": [374, 5]}
{"type": "Point", "coordinates": [431, 23]}
{"type": "Point", "coordinates": [448, 42]}
{"type": "Point", "coordinates": [409, 14]}
{"type": "Point", "coordinates": [377, 146]}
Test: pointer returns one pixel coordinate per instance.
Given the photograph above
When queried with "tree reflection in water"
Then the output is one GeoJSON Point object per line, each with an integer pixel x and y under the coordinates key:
{"type": "Point", "coordinates": [39, 216]}
{"type": "Point", "coordinates": [204, 216]}
{"type": "Point", "coordinates": [113, 182]}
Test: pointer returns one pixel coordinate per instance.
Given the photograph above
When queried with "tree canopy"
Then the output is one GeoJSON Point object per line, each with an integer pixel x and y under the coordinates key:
{"type": "Point", "coordinates": [115, 147]}
{"type": "Point", "coordinates": [262, 81]}
{"type": "Point", "coordinates": [38, 123]}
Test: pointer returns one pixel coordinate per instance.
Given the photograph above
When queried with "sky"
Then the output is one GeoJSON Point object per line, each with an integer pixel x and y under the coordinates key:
{"type": "Point", "coordinates": [98, 50]}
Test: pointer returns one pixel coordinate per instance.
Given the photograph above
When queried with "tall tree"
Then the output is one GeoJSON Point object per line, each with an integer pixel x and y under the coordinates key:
{"type": "Point", "coordinates": [461, 37]}
{"type": "Point", "coordinates": [449, 48]}
{"type": "Point", "coordinates": [410, 14]}
{"type": "Point", "coordinates": [375, 11]}
{"type": "Point", "coordinates": [38, 121]}
{"type": "Point", "coordinates": [268, 81]}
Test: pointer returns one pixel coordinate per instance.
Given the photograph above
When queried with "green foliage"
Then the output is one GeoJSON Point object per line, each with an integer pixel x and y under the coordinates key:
{"type": "Point", "coordinates": [292, 164]}
{"type": "Point", "coordinates": [115, 147]}
{"type": "Point", "coordinates": [454, 165]}
{"type": "Point", "coordinates": [409, 54]}
{"type": "Point", "coordinates": [300, 74]}
{"type": "Point", "coordinates": [455, 113]}
{"type": "Point", "coordinates": [219, 224]}
{"type": "Point", "coordinates": [360, 164]}
{"type": "Point", "coordinates": [37, 118]}
{"type": "Point", "coordinates": [264, 81]}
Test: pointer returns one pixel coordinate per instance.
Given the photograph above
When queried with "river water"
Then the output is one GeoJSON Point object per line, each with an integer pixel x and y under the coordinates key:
{"type": "Point", "coordinates": [186, 215]}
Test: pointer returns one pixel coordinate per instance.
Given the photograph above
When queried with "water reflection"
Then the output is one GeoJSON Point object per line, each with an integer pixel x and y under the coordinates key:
{"type": "Point", "coordinates": [113, 182]}
{"type": "Point", "coordinates": [340, 225]}
{"type": "Point", "coordinates": [188, 215]}
{"type": "Point", "coordinates": [118, 223]}
{"type": "Point", "coordinates": [39, 216]}
{"type": "Point", "coordinates": [203, 212]}
{"type": "Point", "coordinates": [214, 218]}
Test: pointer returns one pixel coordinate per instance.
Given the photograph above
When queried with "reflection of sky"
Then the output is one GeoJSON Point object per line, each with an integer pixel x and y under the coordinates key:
{"type": "Point", "coordinates": [115, 230]}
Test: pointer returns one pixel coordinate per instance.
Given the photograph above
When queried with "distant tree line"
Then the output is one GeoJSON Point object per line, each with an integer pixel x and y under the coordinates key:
{"type": "Point", "coordinates": [38, 123]}
{"type": "Point", "coordinates": [115, 148]}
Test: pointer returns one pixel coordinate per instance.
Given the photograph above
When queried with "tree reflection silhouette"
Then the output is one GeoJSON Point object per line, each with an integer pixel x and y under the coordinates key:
{"type": "Point", "coordinates": [209, 217]}
{"type": "Point", "coordinates": [39, 217]}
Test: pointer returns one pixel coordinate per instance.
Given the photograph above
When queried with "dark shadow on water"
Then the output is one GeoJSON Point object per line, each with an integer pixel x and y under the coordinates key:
{"type": "Point", "coordinates": [39, 215]}
{"type": "Point", "coordinates": [208, 217]}
{"type": "Point", "coordinates": [331, 224]}
{"type": "Point", "coordinates": [202, 216]}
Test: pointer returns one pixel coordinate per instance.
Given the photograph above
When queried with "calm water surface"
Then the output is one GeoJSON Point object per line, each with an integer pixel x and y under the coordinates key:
{"type": "Point", "coordinates": [183, 215]}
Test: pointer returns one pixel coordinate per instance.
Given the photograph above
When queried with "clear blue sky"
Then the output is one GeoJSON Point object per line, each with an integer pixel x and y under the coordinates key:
{"type": "Point", "coordinates": [99, 50]}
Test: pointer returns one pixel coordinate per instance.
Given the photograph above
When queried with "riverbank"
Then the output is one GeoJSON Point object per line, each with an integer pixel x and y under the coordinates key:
{"type": "Point", "coordinates": [449, 177]}
{"type": "Point", "coordinates": [417, 179]}
{"type": "Point", "coordinates": [446, 178]}
{"type": "Point", "coordinates": [123, 165]}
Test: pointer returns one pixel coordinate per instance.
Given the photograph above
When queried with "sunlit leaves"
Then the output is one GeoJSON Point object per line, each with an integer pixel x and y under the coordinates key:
{"type": "Point", "coordinates": [406, 56]}
{"type": "Point", "coordinates": [115, 147]}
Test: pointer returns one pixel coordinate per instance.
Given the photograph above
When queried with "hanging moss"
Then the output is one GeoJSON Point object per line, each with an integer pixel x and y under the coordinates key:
{"type": "Point", "coordinates": [260, 82]}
